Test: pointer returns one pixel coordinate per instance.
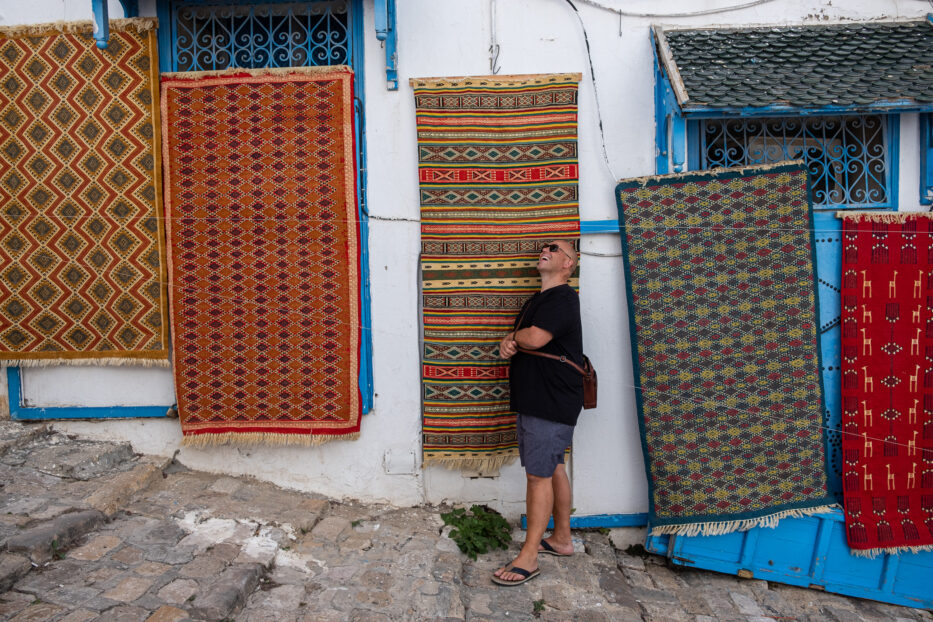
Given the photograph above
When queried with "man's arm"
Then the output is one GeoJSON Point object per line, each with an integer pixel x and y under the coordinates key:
{"type": "Point", "coordinates": [532, 338]}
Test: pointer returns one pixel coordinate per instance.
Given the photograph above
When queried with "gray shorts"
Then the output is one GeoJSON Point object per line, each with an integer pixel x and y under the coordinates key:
{"type": "Point", "coordinates": [541, 444]}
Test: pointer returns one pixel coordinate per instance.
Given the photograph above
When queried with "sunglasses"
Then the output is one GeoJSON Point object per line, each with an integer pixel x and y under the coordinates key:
{"type": "Point", "coordinates": [554, 248]}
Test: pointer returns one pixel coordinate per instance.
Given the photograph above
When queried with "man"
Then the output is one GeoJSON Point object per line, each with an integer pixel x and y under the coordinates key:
{"type": "Point", "coordinates": [548, 397]}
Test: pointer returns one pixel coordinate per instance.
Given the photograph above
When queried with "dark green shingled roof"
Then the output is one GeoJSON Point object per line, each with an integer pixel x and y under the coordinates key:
{"type": "Point", "coordinates": [872, 64]}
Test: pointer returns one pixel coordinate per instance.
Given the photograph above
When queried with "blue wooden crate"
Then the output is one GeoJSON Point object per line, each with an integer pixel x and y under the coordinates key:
{"type": "Point", "coordinates": [809, 552]}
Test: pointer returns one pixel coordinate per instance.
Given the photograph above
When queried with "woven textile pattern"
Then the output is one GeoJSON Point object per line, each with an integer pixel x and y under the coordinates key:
{"type": "Point", "coordinates": [82, 267]}
{"type": "Point", "coordinates": [887, 381]}
{"type": "Point", "coordinates": [264, 254]}
{"type": "Point", "coordinates": [722, 309]}
{"type": "Point", "coordinates": [498, 172]}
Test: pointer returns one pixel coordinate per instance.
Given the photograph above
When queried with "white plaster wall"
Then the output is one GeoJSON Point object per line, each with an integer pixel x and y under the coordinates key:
{"type": "Point", "coordinates": [451, 38]}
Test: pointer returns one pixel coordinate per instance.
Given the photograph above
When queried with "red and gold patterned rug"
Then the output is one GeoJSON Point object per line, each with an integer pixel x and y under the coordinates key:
{"type": "Point", "coordinates": [82, 252]}
{"type": "Point", "coordinates": [264, 257]}
{"type": "Point", "coordinates": [887, 381]}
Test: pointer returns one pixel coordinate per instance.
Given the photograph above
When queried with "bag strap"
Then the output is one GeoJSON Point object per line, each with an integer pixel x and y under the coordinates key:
{"type": "Point", "coordinates": [562, 359]}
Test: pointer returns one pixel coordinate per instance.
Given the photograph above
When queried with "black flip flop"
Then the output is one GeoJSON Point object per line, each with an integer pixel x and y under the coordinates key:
{"type": "Point", "coordinates": [550, 550]}
{"type": "Point", "coordinates": [527, 575]}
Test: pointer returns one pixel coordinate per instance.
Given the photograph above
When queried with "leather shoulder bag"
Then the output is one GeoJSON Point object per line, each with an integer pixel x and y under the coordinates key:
{"type": "Point", "coordinates": [587, 371]}
{"type": "Point", "coordinates": [590, 381]}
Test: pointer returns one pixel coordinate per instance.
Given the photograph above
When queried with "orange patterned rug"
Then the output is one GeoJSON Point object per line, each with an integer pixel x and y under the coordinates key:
{"type": "Point", "coordinates": [264, 250]}
{"type": "Point", "coordinates": [82, 251]}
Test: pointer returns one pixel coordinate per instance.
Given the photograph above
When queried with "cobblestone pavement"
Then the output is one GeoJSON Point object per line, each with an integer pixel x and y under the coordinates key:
{"type": "Point", "coordinates": [90, 531]}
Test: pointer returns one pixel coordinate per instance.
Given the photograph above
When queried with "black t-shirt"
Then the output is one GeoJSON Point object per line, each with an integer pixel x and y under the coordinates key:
{"type": "Point", "coordinates": [543, 387]}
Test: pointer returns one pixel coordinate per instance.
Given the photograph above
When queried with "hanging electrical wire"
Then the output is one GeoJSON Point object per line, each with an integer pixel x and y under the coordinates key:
{"type": "Point", "coordinates": [599, 112]}
{"type": "Point", "coordinates": [493, 40]}
{"type": "Point", "coordinates": [725, 9]}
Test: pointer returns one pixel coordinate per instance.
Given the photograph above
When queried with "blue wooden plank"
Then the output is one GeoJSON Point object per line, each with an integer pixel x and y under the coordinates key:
{"type": "Point", "coordinates": [593, 521]}
{"type": "Point", "coordinates": [589, 227]}
{"type": "Point", "coordinates": [807, 552]}
{"type": "Point", "coordinates": [130, 8]}
{"type": "Point", "coordinates": [926, 159]}
{"type": "Point", "coordinates": [366, 334]}
{"type": "Point", "coordinates": [820, 550]}
{"type": "Point", "coordinates": [384, 18]}
{"type": "Point", "coordinates": [827, 236]}
{"type": "Point", "coordinates": [101, 22]}
{"type": "Point", "coordinates": [658, 545]}
{"type": "Point", "coordinates": [20, 412]}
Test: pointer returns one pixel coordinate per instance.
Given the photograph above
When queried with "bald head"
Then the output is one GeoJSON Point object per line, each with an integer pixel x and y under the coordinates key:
{"type": "Point", "coordinates": [567, 247]}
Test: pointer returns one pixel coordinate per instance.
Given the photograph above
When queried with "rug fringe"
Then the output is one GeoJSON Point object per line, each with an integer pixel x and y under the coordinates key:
{"type": "Point", "coordinates": [114, 361]}
{"type": "Point", "coordinates": [509, 80]}
{"type": "Point", "coordinates": [135, 24]}
{"type": "Point", "coordinates": [262, 71]}
{"type": "Point", "coordinates": [253, 439]}
{"type": "Point", "coordinates": [893, 550]}
{"type": "Point", "coordinates": [719, 528]}
{"type": "Point", "coordinates": [890, 218]}
{"type": "Point", "coordinates": [484, 464]}
{"type": "Point", "coordinates": [716, 172]}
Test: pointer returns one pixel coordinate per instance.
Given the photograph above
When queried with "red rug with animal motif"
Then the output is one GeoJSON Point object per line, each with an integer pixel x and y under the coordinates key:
{"type": "Point", "coordinates": [887, 381]}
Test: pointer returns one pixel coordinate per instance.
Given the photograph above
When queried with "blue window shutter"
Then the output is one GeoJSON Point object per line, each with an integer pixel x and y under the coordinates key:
{"type": "Point", "coordinates": [926, 159]}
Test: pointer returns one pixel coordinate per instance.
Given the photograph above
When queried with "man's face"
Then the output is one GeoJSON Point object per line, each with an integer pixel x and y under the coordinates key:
{"type": "Point", "coordinates": [555, 257]}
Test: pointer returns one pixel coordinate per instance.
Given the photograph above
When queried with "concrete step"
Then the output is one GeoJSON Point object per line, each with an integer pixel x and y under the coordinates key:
{"type": "Point", "coordinates": [51, 539]}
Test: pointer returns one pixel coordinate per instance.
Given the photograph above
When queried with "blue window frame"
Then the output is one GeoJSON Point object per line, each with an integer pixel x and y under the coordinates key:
{"type": "Point", "coordinates": [852, 158]}
{"type": "Point", "coordinates": [209, 35]}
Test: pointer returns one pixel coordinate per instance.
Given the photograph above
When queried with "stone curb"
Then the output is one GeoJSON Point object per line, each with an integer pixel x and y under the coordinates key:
{"type": "Point", "coordinates": [12, 568]}
{"type": "Point", "coordinates": [229, 592]}
{"type": "Point", "coordinates": [123, 486]}
{"type": "Point", "coordinates": [42, 542]}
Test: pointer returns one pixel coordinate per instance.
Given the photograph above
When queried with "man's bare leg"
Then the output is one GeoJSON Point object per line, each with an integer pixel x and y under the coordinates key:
{"type": "Point", "coordinates": [539, 499]}
{"type": "Point", "coordinates": [560, 539]}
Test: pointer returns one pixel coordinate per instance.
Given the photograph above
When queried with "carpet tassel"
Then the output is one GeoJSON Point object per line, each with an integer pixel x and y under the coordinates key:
{"type": "Point", "coordinates": [890, 218]}
{"type": "Point", "coordinates": [893, 550]}
{"type": "Point", "coordinates": [256, 439]}
{"type": "Point", "coordinates": [130, 24]}
{"type": "Point", "coordinates": [89, 362]}
{"type": "Point", "coordinates": [484, 464]}
{"type": "Point", "coordinates": [718, 528]}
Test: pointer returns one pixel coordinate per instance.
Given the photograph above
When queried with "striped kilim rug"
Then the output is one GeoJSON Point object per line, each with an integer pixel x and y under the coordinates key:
{"type": "Point", "coordinates": [887, 381]}
{"type": "Point", "coordinates": [722, 310]}
{"type": "Point", "coordinates": [264, 254]}
{"type": "Point", "coordinates": [82, 261]}
{"type": "Point", "coordinates": [498, 172]}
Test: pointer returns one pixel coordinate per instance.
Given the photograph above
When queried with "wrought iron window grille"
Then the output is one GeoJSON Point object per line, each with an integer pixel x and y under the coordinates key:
{"type": "Point", "coordinates": [293, 34]}
{"type": "Point", "coordinates": [848, 156]}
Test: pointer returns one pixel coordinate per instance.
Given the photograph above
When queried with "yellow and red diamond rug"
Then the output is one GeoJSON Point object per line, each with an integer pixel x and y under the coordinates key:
{"type": "Point", "coordinates": [497, 166]}
{"type": "Point", "coordinates": [887, 381]}
{"type": "Point", "coordinates": [82, 252]}
{"type": "Point", "coordinates": [264, 252]}
{"type": "Point", "coordinates": [722, 311]}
